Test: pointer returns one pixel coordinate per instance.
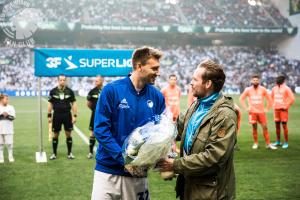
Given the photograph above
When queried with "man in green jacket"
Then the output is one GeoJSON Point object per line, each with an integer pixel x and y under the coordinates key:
{"type": "Point", "coordinates": [208, 135]}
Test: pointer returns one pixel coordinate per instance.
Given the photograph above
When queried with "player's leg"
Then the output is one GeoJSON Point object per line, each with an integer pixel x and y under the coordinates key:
{"type": "Point", "coordinates": [277, 126]}
{"type": "Point", "coordinates": [253, 122]}
{"type": "Point", "coordinates": [9, 144]}
{"type": "Point", "coordinates": [286, 137]}
{"type": "Point", "coordinates": [1, 148]}
{"type": "Point", "coordinates": [284, 119]}
{"type": "Point", "coordinates": [69, 142]}
{"type": "Point", "coordinates": [54, 145]}
{"type": "Point", "coordinates": [68, 125]}
{"type": "Point", "coordinates": [56, 127]}
{"type": "Point", "coordinates": [92, 137]}
{"type": "Point", "coordinates": [262, 119]}
{"type": "Point", "coordinates": [91, 145]}
{"type": "Point", "coordinates": [255, 136]}
{"type": "Point", "coordinates": [267, 137]}
{"type": "Point", "coordinates": [106, 186]}
{"type": "Point", "coordinates": [135, 188]}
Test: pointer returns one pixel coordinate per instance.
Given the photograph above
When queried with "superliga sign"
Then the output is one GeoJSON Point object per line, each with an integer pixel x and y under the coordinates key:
{"type": "Point", "coordinates": [82, 62]}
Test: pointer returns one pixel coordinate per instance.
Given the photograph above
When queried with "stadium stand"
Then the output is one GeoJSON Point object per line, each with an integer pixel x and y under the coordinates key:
{"type": "Point", "coordinates": [233, 13]}
{"type": "Point", "coordinates": [239, 62]}
{"type": "Point", "coordinates": [227, 13]}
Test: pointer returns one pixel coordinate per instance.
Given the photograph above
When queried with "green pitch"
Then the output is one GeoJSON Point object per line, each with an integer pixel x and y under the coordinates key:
{"type": "Point", "coordinates": [261, 174]}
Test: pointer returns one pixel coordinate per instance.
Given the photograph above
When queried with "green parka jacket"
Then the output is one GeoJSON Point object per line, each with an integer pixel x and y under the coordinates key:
{"type": "Point", "coordinates": [207, 171]}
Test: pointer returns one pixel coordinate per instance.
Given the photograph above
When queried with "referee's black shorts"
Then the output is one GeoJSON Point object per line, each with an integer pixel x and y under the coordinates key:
{"type": "Point", "coordinates": [91, 127]}
{"type": "Point", "coordinates": [62, 118]}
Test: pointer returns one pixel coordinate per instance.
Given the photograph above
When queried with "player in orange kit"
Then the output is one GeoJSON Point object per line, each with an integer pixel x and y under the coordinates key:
{"type": "Point", "coordinates": [256, 110]}
{"type": "Point", "coordinates": [172, 95]}
{"type": "Point", "coordinates": [283, 98]}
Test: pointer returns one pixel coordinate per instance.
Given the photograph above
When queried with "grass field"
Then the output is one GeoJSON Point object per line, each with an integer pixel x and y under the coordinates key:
{"type": "Point", "coordinates": [261, 174]}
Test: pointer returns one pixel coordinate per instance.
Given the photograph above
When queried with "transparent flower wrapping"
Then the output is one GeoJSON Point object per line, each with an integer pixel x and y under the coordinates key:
{"type": "Point", "coordinates": [149, 143]}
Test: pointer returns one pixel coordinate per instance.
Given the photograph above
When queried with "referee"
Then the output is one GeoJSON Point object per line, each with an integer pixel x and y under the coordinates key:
{"type": "Point", "coordinates": [92, 99]}
{"type": "Point", "coordinates": [62, 101]}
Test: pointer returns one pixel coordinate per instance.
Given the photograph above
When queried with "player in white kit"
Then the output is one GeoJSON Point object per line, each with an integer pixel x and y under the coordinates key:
{"type": "Point", "coordinates": [7, 115]}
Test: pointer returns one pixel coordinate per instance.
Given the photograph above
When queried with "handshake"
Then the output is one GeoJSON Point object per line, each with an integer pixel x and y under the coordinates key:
{"type": "Point", "coordinates": [165, 166]}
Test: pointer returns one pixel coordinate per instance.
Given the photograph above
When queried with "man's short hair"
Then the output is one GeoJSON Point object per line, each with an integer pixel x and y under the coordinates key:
{"type": "Point", "coordinates": [143, 54]}
{"type": "Point", "coordinates": [172, 75]}
{"type": "Point", "coordinates": [213, 72]}
{"type": "Point", "coordinates": [61, 75]}
{"type": "Point", "coordinates": [280, 79]}
{"type": "Point", "coordinates": [255, 76]}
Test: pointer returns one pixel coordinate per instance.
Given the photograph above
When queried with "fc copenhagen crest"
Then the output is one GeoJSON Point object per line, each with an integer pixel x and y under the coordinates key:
{"type": "Point", "coordinates": [150, 104]}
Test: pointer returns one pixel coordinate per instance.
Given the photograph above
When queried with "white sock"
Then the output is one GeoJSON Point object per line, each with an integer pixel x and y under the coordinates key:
{"type": "Point", "coordinates": [10, 150]}
{"type": "Point", "coordinates": [1, 151]}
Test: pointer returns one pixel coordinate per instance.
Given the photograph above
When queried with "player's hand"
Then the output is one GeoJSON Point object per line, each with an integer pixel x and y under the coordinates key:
{"type": "Point", "coordinates": [49, 120]}
{"type": "Point", "coordinates": [73, 120]}
{"type": "Point", "coordinates": [5, 114]}
{"type": "Point", "coordinates": [136, 171]}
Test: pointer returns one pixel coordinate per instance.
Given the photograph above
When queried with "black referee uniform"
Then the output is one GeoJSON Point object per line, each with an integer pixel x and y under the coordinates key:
{"type": "Point", "coordinates": [92, 97]}
{"type": "Point", "coordinates": [61, 100]}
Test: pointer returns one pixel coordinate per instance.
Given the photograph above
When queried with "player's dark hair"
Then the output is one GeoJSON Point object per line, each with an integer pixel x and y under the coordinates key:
{"type": "Point", "coordinates": [255, 76]}
{"type": "Point", "coordinates": [213, 72]}
{"type": "Point", "coordinates": [143, 54]}
{"type": "Point", "coordinates": [172, 75]}
{"type": "Point", "coordinates": [280, 79]}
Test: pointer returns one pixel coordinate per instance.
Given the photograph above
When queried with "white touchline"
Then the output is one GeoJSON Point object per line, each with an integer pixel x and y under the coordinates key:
{"type": "Point", "coordinates": [81, 134]}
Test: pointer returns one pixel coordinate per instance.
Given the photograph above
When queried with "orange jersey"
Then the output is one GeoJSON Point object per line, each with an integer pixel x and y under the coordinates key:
{"type": "Point", "coordinates": [172, 98]}
{"type": "Point", "coordinates": [282, 97]}
{"type": "Point", "coordinates": [255, 98]}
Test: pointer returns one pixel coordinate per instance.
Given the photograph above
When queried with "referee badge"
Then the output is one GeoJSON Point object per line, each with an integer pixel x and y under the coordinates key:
{"type": "Point", "coordinates": [61, 96]}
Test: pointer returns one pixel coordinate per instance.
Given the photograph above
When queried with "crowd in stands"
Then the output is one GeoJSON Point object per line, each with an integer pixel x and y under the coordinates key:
{"type": "Point", "coordinates": [240, 63]}
{"type": "Point", "coordinates": [217, 13]}
{"type": "Point", "coordinates": [233, 13]}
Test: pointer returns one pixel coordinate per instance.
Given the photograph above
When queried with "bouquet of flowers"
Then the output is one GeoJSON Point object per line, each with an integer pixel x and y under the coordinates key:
{"type": "Point", "coordinates": [149, 143]}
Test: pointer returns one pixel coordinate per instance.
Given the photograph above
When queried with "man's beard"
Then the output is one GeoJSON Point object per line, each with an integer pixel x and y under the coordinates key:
{"type": "Point", "coordinates": [255, 85]}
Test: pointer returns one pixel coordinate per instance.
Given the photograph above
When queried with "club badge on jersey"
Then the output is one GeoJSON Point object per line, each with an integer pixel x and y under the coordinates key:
{"type": "Point", "coordinates": [61, 96]}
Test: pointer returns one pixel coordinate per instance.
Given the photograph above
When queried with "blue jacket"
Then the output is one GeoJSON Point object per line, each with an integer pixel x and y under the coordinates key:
{"type": "Point", "coordinates": [120, 109]}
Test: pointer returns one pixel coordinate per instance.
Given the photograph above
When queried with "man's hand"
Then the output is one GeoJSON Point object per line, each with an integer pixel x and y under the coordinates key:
{"type": "Point", "coordinates": [5, 114]}
{"type": "Point", "coordinates": [165, 165]}
{"type": "Point", "coordinates": [136, 171]}
{"type": "Point", "coordinates": [49, 119]}
{"type": "Point", "coordinates": [73, 120]}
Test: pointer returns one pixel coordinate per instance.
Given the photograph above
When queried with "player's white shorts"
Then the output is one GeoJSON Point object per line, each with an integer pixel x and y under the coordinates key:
{"type": "Point", "coordinates": [115, 187]}
{"type": "Point", "coordinates": [6, 138]}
